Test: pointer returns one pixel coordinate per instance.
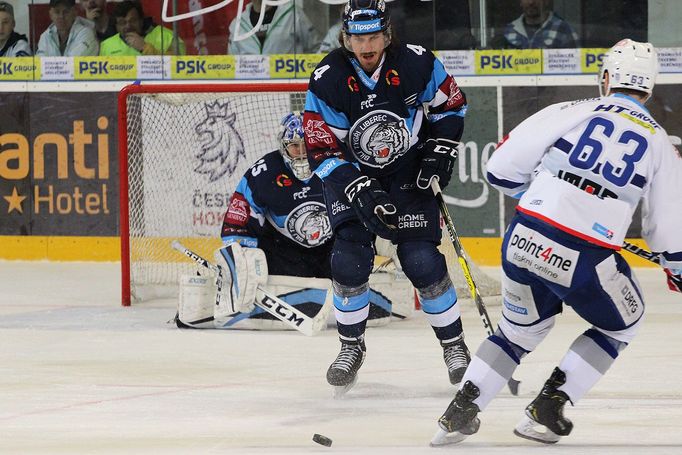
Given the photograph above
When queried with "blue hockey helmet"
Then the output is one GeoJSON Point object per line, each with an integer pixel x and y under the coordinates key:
{"type": "Point", "coordinates": [291, 133]}
{"type": "Point", "coordinates": [365, 16]}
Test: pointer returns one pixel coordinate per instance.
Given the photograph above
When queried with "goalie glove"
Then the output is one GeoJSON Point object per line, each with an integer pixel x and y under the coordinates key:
{"type": "Point", "coordinates": [373, 206]}
{"type": "Point", "coordinates": [438, 160]}
{"type": "Point", "coordinates": [674, 280]}
{"type": "Point", "coordinates": [242, 270]}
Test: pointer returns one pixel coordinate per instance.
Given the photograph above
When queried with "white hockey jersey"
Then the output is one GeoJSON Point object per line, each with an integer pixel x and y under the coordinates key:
{"type": "Point", "coordinates": [583, 166]}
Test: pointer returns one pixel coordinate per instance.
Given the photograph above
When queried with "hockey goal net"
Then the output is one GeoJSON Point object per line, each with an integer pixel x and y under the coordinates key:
{"type": "Point", "coordinates": [182, 150]}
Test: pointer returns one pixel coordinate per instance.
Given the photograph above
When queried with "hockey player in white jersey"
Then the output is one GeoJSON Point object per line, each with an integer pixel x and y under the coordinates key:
{"type": "Point", "coordinates": [580, 169]}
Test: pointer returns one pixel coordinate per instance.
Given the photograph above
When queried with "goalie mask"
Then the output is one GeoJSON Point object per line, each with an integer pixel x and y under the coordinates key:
{"type": "Point", "coordinates": [361, 17]}
{"type": "Point", "coordinates": [292, 145]}
{"type": "Point", "coordinates": [630, 65]}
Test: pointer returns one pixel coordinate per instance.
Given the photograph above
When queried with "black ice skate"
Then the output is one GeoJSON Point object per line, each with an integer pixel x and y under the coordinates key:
{"type": "Point", "coordinates": [459, 420]}
{"type": "Point", "coordinates": [547, 410]}
{"type": "Point", "coordinates": [457, 358]}
{"type": "Point", "coordinates": [342, 373]}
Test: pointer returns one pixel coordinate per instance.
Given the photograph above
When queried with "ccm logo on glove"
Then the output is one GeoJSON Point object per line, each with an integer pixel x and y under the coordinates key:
{"type": "Point", "coordinates": [438, 160]}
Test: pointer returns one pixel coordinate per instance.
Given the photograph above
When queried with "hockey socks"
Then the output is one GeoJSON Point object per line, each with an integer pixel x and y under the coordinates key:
{"type": "Point", "coordinates": [492, 366]}
{"type": "Point", "coordinates": [587, 360]}
{"type": "Point", "coordinates": [439, 303]}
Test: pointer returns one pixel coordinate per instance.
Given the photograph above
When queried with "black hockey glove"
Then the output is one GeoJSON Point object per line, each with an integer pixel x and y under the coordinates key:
{"type": "Point", "coordinates": [438, 160]}
{"type": "Point", "coordinates": [373, 207]}
{"type": "Point", "coordinates": [674, 281]}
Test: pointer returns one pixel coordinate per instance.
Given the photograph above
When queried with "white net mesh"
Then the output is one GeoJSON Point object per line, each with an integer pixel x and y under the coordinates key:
{"type": "Point", "coordinates": [186, 154]}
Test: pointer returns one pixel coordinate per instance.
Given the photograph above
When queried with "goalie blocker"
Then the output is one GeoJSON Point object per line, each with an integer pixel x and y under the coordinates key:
{"type": "Point", "coordinates": [390, 294]}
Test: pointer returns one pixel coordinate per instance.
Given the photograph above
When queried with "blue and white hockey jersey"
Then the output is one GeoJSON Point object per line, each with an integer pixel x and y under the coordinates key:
{"type": "Point", "coordinates": [377, 121]}
{"type": "Point", "coordinates": [270, 203]}
{"type": "Point", "coordinates": [583, 166]}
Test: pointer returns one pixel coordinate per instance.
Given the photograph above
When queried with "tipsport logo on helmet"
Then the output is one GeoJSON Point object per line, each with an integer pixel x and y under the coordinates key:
{"type": "Point", "coordinates": [379, 138]}
{"type": "Point", "coordinates": [364, 26]}
{"type": "Point", "coordinates": [308, 224]}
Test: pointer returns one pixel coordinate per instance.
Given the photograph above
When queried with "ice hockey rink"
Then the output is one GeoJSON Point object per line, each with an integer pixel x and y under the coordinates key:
{"type": "Point", "coordinates": [81, 374]}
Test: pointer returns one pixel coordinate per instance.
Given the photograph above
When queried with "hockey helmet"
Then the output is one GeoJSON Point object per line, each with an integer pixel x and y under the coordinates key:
{"type": "Point", "coordinates": [291, 132]}
{"type": "Point", "coordinates": [365, 16]}
{"type": "Point", "coordinates": [361, 17]}
{"type": "Point", "coordinates": [630, 65]}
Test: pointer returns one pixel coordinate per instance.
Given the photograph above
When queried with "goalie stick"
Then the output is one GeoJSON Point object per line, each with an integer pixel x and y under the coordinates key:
{"type": "Point", "coordinates": [264, 299]}
{"type": "Point", "coordinates": [461, 256]}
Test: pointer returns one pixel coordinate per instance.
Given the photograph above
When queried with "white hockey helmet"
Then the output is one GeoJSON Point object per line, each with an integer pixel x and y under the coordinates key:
{"type": "Point", "coordinates": [291, 132]}
{"type": "Point", "coordinates": [630, 65]}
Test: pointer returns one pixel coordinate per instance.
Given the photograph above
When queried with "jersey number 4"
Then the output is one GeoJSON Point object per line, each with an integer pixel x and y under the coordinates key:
{"type": "Point", "coordinates": [589, 148]}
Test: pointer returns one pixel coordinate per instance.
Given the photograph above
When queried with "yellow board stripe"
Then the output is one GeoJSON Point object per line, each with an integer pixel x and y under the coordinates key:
{"type": "Point", "coordinates": [484, 251]}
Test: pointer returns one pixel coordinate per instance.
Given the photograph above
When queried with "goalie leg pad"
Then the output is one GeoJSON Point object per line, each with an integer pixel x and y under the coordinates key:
{"type": "Point", "coordinates": [196, 301]}
{"type": "Point", "coordinates": [391, 294]}
{"type": "Point", "coordinates": [243, 270]}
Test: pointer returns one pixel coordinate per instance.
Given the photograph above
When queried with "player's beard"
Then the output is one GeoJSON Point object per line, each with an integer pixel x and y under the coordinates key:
{"type": "Point", "coordinates": [370, 61]}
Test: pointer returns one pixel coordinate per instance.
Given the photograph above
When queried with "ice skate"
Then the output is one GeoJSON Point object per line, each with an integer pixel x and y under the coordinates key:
{"type": "Point", "coordinates": [546, 412]}
{"type": "Point", "coordinates": [459, 420]}
{"type": "Point", "coordinates": [342, 373]}
{"type": "Point", "coordinates": [457, 358]}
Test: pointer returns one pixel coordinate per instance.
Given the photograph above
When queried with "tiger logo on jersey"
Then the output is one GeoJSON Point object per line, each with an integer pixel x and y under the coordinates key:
{"type": "Point", "coordinates": [221, 145]}
{"type": "Point", "coordinates": [308, 224]}
{"type": "Point", "coordinates": [379, 138]}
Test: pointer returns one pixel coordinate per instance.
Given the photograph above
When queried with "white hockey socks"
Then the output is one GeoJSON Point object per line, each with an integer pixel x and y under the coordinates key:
{"type": "Point", "coordinates": [587, 360]}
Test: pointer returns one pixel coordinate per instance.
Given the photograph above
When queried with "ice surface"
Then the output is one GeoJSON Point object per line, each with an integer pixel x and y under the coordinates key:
{"type": "Point", "coordinates": [81, 374]}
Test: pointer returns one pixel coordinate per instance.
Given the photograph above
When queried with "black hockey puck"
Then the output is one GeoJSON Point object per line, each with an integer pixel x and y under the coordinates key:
{"type": "Point", "coordinates": [322, 440]}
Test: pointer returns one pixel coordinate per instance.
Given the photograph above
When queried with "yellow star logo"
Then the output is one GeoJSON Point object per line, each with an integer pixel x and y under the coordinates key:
{"type": "Point", "coordinates": [15, 201]}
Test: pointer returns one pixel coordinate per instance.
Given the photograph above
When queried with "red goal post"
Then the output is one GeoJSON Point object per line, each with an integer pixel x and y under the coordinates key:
{"type": "Point", "coordinates": [170, 150]}
{"type": "Point", "coordinates": [182, 150]}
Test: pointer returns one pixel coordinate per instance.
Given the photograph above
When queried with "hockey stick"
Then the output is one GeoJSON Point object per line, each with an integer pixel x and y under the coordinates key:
{"type": "Point", "coordinates": [653, 257]}
{"type": "Point", "coordinates": [641, 252]}
{"type": "Point", "coordinates": [264, 299]}
{"type": "Point", "coordinates": [464, 263]}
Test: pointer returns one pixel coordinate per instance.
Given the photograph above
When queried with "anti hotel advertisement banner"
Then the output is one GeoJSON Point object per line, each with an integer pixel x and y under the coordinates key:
{"type": "Point", "coordinates": [58, 165]}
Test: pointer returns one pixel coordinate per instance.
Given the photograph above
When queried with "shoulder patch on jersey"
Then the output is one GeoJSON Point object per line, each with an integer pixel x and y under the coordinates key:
{"type": "Point", "coordinates": [238, 211]}
{"type": "Point", "coordinates": [379, 138]}
{"type": "Point", "coordinates": [317, 133]}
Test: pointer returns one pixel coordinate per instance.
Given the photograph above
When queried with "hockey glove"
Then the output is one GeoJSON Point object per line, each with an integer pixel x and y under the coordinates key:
{"type": "Point", "coordinates": [674, 281]}
{"type": "Point", "coordinates": [438, 160]}
{"type": "Point", "coordinates": [373, 207]}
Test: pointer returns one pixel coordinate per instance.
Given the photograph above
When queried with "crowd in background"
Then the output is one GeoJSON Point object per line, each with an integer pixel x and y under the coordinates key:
{"type": "Point", "coordinates": [113, 28]}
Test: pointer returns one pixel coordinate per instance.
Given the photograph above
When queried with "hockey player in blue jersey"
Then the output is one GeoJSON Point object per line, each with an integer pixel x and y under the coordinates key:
{"type": "Point", "coordinates": [580, 168]}
{"type": "Point", "coordinates": [276, 234]}
{"type": "Point", "coordinates": [278, 207]}
{"type": "Point", "coordinates": [376, 150]}
{"type": "Point", "coordinates": [276, 224]}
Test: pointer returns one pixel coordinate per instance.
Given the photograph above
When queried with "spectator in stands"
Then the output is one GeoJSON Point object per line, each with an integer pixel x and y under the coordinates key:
{"type": "Point", "coordinates": [538, 27]}
{"type": "Point", "coordinates": [68, 35]}
{"type": "Point", "coordinates": [139, 37]}
{"type": "Point", "coordinates": [332, 39]}
{"type": "Point", "coordinates": [282, 30]}
{"type": "Point", "coordinates": [96, 11]}
{"type": "Point", "coordinates": [12, 44]}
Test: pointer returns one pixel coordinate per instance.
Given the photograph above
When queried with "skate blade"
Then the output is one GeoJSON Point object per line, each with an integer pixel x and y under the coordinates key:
{"type": "Point", "coordinates": [443, 438]}
{"type": "Point", "coordinates": [526, 429]}
{"type": "Point", "coordinates": [340, 391]}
